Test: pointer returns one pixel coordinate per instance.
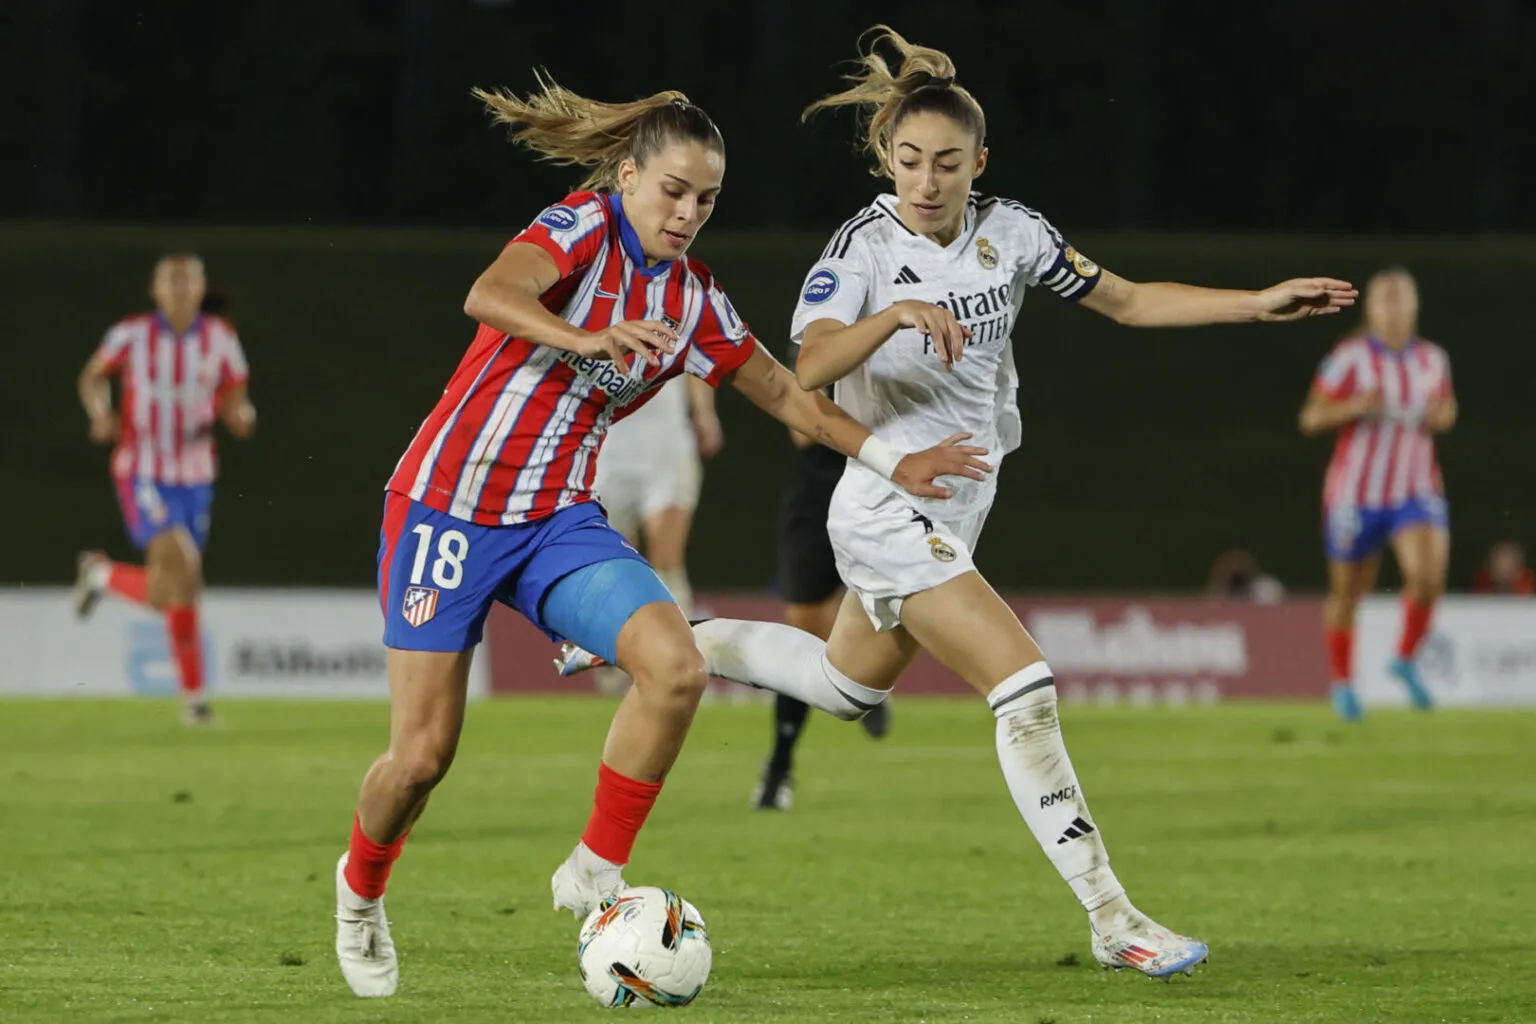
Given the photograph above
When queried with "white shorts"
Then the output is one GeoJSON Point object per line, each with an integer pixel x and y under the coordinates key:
{"type": "Point", "coordinates": [888, 550]}
{"type": "Point", "coordinates": [631, 491]}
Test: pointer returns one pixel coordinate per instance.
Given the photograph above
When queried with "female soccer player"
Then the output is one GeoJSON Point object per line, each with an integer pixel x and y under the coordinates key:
{"type": "Point", "coordinates": [649, 476]}
{"type": "Point", "coordinates": [180, 371]}
{"type": "Point", "coordinates": [910, 310]}
{"type": "Point", "coordinates": [582, 317]}
{"type": "Point", "coordinates": [1387, 392]}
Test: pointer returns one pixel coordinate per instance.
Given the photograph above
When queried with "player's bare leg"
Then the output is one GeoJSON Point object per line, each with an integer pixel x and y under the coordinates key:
{"type": "Point", "coordinates": [666, 548]}
{"type": "Point", "coordinates": [1348, 582]}
{"type": "Point", "coordinates": [427, 692]}
{"type": "Point", "coordinates": [173, 584]}
{"type": "Point", "coordinates": [1423, 554]}
{"type": "Point", "coordinates": [656, 647]}
{"type": "Point", "coordinates": [973, 632]}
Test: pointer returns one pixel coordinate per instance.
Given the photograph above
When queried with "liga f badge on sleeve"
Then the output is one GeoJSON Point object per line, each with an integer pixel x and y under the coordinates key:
{"type": "Point", "coordinates": [420, 605]}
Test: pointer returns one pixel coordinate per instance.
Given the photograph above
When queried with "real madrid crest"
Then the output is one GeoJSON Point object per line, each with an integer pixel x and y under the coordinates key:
{"type": "Point", "coordinates": [986, 255]}
{"type": "Point", "coordinates": [1084, 266]}
{"type": "Point", "coordinates": [936, 546]}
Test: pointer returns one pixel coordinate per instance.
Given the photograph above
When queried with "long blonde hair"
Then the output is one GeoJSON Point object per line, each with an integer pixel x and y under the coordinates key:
{"type": "Point", "coordinates": [565, 128]}
{"type": "Point", "coordinates": [924, 80]}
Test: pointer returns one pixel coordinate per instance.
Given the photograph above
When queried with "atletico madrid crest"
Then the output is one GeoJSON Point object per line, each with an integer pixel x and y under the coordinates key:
{"type": "Point", "coordinates": [419, 606]}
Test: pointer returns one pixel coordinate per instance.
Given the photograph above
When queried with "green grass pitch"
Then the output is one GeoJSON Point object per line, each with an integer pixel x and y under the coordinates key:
{"type": "Point", "coordinates": [1372, 873]}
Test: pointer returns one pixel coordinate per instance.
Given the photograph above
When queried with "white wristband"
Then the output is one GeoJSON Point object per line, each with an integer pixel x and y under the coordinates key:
{"type": "Point", "coordinates": [879, 456]}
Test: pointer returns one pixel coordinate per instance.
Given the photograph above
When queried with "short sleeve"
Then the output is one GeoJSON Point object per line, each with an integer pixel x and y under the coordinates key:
{"type": "Point", "coordinates": [720, 341]}
{"type": "Point", "coordinates": [572, 231]}
{"type": "Point", "coordinates": [233, 369]}
{"type": "Point", "coordinates": [113, 349]}
{"type": "Point", "coordinates": [838, 286]}
{"type": "Point", "coordinates": [1047, 260]}
{"type": "Point", "coordinates": [1444, 388]}
{"type": "Point", "coordinates": [1338, 375]}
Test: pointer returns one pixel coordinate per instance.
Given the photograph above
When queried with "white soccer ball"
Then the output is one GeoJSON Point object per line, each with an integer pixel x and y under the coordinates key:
{"type": "Point", "coordinates": [645, 947]}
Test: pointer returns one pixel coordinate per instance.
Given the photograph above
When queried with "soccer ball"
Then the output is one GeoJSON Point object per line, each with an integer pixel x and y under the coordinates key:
{"type": "Point", "coordinates": [645, 947]}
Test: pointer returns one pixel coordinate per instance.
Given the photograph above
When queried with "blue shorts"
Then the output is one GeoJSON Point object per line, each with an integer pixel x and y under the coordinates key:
{"type": "Point", "coordinates": [151, 508]}
{"type": "Point", "coordinates": [570, 574]}
{"type": "Point", "coordinates": [1352, 534]}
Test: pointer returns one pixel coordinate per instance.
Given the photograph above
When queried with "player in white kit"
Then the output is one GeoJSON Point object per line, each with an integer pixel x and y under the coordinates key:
{"type": "Point", "coordinates": [649, 475]}
{"type": "Point", "coordinates": [910, 310]}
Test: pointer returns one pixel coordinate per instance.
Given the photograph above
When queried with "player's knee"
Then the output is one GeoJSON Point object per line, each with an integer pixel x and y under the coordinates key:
{"type": "Point", "coordinates": [420, 764]}
{"type": "Point", "coordinates": [672, 672]}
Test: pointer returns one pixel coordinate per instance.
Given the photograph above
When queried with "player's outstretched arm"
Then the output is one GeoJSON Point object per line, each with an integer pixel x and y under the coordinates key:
{"type": "Point", "coordinates": [96, 398]}
{"type": "Point", "coordinates": [772, 388]}
{"type": "Point", "coordinates": [506, 297]}
{"type": "Point", "coordinates": [1168, 304]}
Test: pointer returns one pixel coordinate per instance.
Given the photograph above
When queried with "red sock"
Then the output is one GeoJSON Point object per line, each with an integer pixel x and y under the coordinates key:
{"type": "Point", "coordinates": [128, 582]}
{"type": "Point", "coordinates": [186, 647]}
{"type": "Point", "coordinates": [619, 810]}
{"type": "Point", "coordinates": [1340, 644]}
{"type": "Point", "coordinates": [1415, 625]}
{"type": "Point", "coordinates": [368, 862]}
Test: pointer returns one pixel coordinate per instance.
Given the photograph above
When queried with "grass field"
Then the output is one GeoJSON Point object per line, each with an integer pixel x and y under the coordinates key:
{"type": "Point", "coordinates": [1376, 873]}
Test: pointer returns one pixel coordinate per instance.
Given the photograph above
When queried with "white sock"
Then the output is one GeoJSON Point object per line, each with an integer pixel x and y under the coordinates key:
{"type": "Point", "coordinates": [772, 656]}
{"type": "Point", "coordinates": [99, 574]}
{"type": "Point", "coordinates": [1044, 786]}
{"type": "Point", "coordinates": [677, 584]}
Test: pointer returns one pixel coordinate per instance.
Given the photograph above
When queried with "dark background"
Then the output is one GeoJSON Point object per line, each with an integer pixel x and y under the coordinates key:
{"type": "Point", "coordinates": [326, 159]}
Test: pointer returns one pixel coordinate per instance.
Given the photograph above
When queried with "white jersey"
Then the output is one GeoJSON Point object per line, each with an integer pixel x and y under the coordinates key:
{"type": "Point", "coordinates": [902, 392]}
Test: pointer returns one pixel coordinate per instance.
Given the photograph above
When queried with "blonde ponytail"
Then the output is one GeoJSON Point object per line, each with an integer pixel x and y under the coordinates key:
{"type": "Point", "coordinates": [565, 128]}
{"type": "Point", "coordinates": [924, 80]}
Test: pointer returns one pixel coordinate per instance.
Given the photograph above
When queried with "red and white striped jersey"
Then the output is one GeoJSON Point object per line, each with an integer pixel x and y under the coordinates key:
{"type": "Point", "coordinates": [171, 386]}
{"type": "Point", "coordinates": [1382, 461]}
{"type": "Point", "coordinates": [516, 433]}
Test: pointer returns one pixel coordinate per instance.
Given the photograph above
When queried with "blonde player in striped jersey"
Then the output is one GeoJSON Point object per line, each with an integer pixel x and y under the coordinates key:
{"type": "Point", "coordinates": [911, 311]}
{"type": "Point", "coordinates": [649, 474]}
{"type": "Point", "coordinates": [1387, 392]}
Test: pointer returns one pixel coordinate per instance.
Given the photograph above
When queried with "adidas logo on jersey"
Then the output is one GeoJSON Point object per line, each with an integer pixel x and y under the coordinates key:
{"type": "Point", "coordinates": [907, 276]}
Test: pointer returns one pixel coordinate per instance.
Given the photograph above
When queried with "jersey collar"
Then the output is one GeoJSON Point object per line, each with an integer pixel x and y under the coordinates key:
{"type": "Point", "coordinates": [165, 325]}
{"type": "Point", "coordinates": [1387, 350]}
{"type": "Point", "coordinates": [631, 241]}
{"type": "Point", "coordinates": [887, 204]}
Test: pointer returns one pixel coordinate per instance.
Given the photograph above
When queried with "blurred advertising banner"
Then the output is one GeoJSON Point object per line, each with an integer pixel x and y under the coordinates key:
{"type": "Point", "coordinates": [1102, 650]}
{"type": "Point", "coordinates": [1480, 652]}
{"type": "Point", "coordinates": [256, 643]}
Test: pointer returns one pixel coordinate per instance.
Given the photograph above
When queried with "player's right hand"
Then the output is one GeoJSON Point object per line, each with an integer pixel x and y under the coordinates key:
{"type": "Point", "coordinates": [619, 341]}
{"type": "Point", "coordinates": [1368, 403]}
{"type": "Point", "coordinates": [917, 472]}
{"type": "Point", "coordinates": [948, 334]}
{"type": "Point", "coordinates": [105, 429]}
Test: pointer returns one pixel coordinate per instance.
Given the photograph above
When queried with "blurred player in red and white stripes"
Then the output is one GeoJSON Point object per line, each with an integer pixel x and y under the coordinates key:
{"type": "Point", "coordinates": [179, 371]}
{"type": "Point", "coordinates": [1387, 392]}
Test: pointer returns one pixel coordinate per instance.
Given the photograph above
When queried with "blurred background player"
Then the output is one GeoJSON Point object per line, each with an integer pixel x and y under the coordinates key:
{"type": "Point", "coordinates": [179, 370]}
{"type": "Point", "coordinates": [812, 593]}
{"type": "Point", "coordinates": [1387, 392]}
{"type": "Point", "coordinates": [650, 472]}
{"type": "Point", "coordinates": [1505, 571]}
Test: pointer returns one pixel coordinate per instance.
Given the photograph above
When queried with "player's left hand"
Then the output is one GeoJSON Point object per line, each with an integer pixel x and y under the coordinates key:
{"type": "Point", "coordinates": [709, 434]}
{"type": "Point", "coordinates": [1303, 297]}
{"type": "Point", "coordinates": [241, 420]}
{"type": "Point", "coordinates": [916, 472]}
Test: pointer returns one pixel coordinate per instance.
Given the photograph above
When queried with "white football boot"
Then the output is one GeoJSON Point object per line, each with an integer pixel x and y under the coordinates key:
{"type": "Point", "coordinates": [1133, 940]}
{"type": "Point", "coordinates": [363, 946]}
{"type": "Point", "coordinates": [90, 582]}
{"type": "Point", "coordinates": [584, 881]}
{"type": "Point", "coordinates": [572, 659]}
